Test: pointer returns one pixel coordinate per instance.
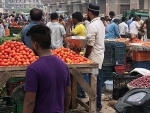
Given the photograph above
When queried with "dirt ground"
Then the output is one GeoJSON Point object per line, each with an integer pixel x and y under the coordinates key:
{"type": "Point", "coordinates": [106, 98]}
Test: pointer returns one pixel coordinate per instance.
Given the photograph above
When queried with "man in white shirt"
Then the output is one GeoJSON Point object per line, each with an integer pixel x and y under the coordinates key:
{"type": "Point", "coordinates": [58, 32]}
{"type": "Point", "coordinates": [123, 28]}
{"type": "Point", "coordinates": [134, 28]}
{"type": "Point", "coordinates": [95, 45]}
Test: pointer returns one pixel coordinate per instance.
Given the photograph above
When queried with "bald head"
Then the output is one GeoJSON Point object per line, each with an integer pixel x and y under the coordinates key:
{"type": "Point", "coordinates": [36, 14]}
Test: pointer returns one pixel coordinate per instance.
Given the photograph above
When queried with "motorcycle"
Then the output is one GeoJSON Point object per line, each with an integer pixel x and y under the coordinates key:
{"type": "Point", "coordinates": [134, 101]}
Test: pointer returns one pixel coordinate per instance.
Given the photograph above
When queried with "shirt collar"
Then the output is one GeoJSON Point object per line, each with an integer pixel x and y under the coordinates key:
{"type": "Point", "coordinates": [79, 23]}
{"type": "Point", "coordinates": [33, 22]}
{"type": "Point", "coordinates": [97, 18]}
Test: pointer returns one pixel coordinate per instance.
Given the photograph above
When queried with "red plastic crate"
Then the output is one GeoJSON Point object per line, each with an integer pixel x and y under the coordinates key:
{"type": "Point", "coordinates": [128, 67]}
{"type": "Point", "coordinates": [120, 69]}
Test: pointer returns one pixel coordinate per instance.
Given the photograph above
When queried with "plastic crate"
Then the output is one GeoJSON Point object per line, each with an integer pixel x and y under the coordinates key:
{"type": "Point", "coordinates": [105, 78]}
{"type": "Point", "coordinates": [16, 79]}
{"type": "Point", "coordinates": [114, 53]}
{"type": "Point", "coordinates": [14, 30]}
{"type": "Point", "coordinates": [118, 93]}
{"type": "Point", "coordinates": [141, 55]}
{"type": "Point", "coordinates": [141, 64]}
{"type": "Point", "coordinates": [120, 82]}
{"type": "Point", "coordinates": [19, 106]}
{"type": "Point", "coordinates": [108, 54]}
{"type": "Point", "coordinates": [107, 70]}
{"type": "Point", "coordinates": [11, 86]}
{"type": "Point", "coordinates": [9, 106]}
{"type": "Point", "coordinates": [120, 52]}
{"type": "Point", "coordinates": [120, 69]}
{"type": "Point", "coordinates": [106, 74]}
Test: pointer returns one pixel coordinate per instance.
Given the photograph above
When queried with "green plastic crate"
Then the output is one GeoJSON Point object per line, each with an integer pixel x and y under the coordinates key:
{"type": "Point", "coordinates": [16, 79]}
{"type": "Point", "coordinates": [9, 106]}
{"type": "Point", "coordinates": [14, 30]}
{"type": "Point", "coordinates": [19, 107]}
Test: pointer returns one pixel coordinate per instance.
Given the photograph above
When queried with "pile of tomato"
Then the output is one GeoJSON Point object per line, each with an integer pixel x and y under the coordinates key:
{"type": "Point", "coordinates": [70, 57]}
{"type": "Point", "coordinates": [13, 53]}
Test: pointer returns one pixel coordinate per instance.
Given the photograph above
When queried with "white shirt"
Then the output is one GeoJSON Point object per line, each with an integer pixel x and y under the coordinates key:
{"type": "Point", "coordinates": [58, 31]}
{"type": "Point", "coordinates": [134, 27]}
{"type": "Point", "coordinates": [96, 35]}
{"type": "Point", "coordinates": [123, 28]}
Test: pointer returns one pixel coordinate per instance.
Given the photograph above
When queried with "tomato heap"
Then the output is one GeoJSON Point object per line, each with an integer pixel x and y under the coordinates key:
{"type": "Point", "coordinates": [13, 53]}
{"type": "Point", "coordinates": [70, 57]}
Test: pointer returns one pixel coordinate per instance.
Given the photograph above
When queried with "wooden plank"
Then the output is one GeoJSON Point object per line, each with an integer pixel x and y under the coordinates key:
{"type": "Point", "coordinates": [84, 70]}
{"type": "Point", "coordinates": [70, 66]}
{"type": "Point", "coordinates": [73, 93]}
{"type": "Point", "coordinates": [92, 103]}
{"type": "Point", "coordinates": [13, 68]}
{"type": "Point", "coordinates": [83, 104]}
{"type": "Point", "coordinates": [92, 65]}
{"type": "Point", "coordinates": [4, 78]}
{"type": "Point", "coordinates": [77, 75]}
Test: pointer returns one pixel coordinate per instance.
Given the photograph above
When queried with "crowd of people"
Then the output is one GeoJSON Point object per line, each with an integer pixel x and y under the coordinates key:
{"type": "Point", "coordinates": [47, 86]}
{"type": "Point", "coordinates": [124, 28]}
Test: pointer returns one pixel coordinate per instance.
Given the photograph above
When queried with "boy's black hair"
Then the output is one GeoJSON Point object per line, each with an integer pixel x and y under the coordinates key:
{"type": "Point", "coordinates": [123, 19]}
{"type": "Point", "coordinates": [78, 16]}
{"type": "Point", "coordinates": [54, 16]}
{"type": "Point", "coordinates": [116, 20]}
{"type": "Point", "coordinates": [61, 16]}
{"type": "Point", "coordinates": [95, 13]}
{"type": "Point", "coordinates": [41, 34]}
{"type": "Point", "coordinates": [111, 13]}
{"type": "Point", "coordinates": [130, 17]}
{"type": "Point", "coordinates": [36, 14]}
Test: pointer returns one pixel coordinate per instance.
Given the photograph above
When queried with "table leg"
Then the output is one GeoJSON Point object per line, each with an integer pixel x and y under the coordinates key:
{"type": "Point", "coordinates": [92, 103]}
{"type": "Point", "coordinates": [74, 93]}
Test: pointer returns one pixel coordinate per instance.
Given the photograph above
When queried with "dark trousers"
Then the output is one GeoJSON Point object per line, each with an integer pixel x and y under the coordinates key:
{"type": "Point", "coordinates": [99, 89]}
{"type": "Point", "coordinates": [81, 92]}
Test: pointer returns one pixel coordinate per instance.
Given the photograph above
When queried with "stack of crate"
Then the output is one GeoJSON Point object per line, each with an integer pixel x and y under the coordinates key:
{"type": "Point", "coordinates": [141, 59]}
{"type": "Point", "coordinates": [114, 58]}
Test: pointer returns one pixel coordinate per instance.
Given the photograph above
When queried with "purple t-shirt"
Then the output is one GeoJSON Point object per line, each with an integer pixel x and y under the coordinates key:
{"type": "Point", "coordinates": [48, 77]}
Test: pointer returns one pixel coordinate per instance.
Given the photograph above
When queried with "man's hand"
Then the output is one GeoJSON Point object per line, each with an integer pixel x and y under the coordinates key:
{"type": "Point", "coordinates": [69, 23]}
{"type": "Point", "coordinates": [68, 28]}
{"type": "Point", "coordinates": [88, 51]}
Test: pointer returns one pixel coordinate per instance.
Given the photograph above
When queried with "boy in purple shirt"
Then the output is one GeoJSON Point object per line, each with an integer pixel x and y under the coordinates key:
{"type": "Point", "coordinates": [47, 86]}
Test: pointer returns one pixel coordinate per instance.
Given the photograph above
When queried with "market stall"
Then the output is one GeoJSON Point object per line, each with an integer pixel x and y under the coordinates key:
{"type": "Point", "coordinates": [15, 57]}
{"type": "Point", "coordinates": [76, 71]}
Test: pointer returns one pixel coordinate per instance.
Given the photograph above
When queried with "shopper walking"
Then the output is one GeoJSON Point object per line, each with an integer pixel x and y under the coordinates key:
{"type": "Point", "coordinates": [36, 16]}
{"type": "Point", "coordinates": [123, 28]}
{"type": "Point", "coordinates": [113, 30]}
{"type": "Point", "coordinates": [47, 85]}
{"type": "Point", "coordinates": [58, 31]}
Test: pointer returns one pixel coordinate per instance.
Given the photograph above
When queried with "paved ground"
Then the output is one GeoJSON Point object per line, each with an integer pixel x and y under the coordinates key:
{"type": "Point", "coordinates": [106, 98]}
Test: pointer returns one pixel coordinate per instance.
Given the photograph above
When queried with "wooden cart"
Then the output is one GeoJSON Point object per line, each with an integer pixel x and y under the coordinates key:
{"type": "Point", "coordinates": [76, 71]}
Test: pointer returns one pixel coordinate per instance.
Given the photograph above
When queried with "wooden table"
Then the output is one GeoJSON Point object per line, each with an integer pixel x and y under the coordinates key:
{"type": "Point", "coordinates": [76, 70]}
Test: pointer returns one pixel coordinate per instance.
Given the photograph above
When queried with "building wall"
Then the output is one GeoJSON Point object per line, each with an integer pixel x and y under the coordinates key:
{"type": "Point", "coordinates": [119, 5]}
{"type": "Point", "coordinates": [102, 4]}
{"type": "Point", "coordinates": [141, 4]}
{"type": "Point", "coordinates": [134, 4]}
{"type": "Point", "coordinates": [146, 4]}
